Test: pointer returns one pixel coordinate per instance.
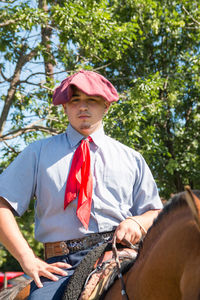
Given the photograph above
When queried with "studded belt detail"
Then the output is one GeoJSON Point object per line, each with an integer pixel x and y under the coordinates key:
{"type": "Point", "coordinates": [72, 246]}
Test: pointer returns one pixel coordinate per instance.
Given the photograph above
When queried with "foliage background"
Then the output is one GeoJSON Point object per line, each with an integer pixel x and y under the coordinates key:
{"type": "Point", "coordinates": [149, 49]}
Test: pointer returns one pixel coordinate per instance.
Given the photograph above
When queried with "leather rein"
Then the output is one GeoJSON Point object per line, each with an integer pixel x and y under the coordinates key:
{"type": "Point", "coordinates": [118, 264]}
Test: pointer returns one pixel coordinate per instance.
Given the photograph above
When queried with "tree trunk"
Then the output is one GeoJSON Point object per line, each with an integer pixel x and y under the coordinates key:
{"type": "Point", "coordinates": [46, 32]}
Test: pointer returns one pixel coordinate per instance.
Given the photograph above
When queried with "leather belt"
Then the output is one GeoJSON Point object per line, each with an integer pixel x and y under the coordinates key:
{"type": "Point", "coordinates": [72, 246]}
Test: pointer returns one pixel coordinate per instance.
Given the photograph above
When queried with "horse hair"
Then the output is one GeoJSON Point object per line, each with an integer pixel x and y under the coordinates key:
{"type": "Point", "coordinates": [177, 201]}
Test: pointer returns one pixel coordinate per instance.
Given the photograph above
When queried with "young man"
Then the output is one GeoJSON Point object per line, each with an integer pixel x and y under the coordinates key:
{"type": "Point", "coordinates": [87, 186]}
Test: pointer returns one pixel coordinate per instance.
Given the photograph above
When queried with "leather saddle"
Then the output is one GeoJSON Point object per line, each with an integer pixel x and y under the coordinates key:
{"type": "Point", "coordinates": [101, 277]}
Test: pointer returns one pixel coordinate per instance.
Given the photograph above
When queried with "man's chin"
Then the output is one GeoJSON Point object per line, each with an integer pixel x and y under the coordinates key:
{"type": "Point", "coordinates": [85, 127]}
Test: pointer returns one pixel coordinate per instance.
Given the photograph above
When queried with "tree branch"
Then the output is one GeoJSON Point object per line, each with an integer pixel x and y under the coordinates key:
{"type": "Point", "coordinates": [15, 133]}
{"type": "Point", "coordinates": [4, 77]}
{"type": "Point", "coordinates": [193, 19]}
{"type": "Point", "coordinates": [11, 148]}
{"type": "Point", "coordinates": [8, 23]}
{"type": "Point", "coordinates": [37, 84]}
{"type": "Point", "coordinates": [11, 1]}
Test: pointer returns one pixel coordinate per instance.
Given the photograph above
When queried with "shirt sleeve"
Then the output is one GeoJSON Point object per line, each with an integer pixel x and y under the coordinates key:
{"type": "Point", "coordinates": [145, 191]}
{"type": "Point", "coordinates": [18, 181]}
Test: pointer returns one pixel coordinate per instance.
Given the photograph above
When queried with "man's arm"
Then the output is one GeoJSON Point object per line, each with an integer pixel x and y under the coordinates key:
{"type": "Point", "coordinates": [131, 231]}
{"type": "Point", "coordinates": [12, 238]}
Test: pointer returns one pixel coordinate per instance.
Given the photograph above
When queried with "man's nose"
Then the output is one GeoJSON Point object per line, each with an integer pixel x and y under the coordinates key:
{"type": "Point", "coordinates": [83, 105]}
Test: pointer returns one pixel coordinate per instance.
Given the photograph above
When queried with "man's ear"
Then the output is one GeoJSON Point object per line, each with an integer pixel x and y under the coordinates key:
{"type": "Point", "coordinates": [64, 107]}
{"type": "Point", "coordinates": [107, 105]}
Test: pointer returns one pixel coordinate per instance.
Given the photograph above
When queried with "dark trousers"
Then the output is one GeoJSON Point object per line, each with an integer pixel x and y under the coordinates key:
{"type": "Point", "coordinates": [53, 290]}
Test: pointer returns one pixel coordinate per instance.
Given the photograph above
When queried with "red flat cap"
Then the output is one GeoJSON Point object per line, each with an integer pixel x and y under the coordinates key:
{"type": "Point", "coordinates": [89, 82]}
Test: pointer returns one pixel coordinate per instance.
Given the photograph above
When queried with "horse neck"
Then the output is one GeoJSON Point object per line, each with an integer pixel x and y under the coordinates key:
{"type": "Point", "coordinates": [174, 219]}
{"type": "Point", "coordinates": [165, 250]}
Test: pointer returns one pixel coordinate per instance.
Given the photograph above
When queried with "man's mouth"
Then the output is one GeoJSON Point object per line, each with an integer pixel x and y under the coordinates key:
{"type": "Point", "coordinates": [83, 116]}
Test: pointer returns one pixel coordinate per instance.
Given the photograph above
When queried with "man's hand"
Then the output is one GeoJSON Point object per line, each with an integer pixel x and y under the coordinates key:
{"type": "Point", "coordinates": [132, 228]}
{"type": "Point", "coordinates": [35, 267]}
{"type": "Point", "coordinates": [128, 230]}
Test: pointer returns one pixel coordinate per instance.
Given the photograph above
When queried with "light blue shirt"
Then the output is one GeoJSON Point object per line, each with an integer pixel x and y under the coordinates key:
{"type": "Point", "coordinates": [122, 185]}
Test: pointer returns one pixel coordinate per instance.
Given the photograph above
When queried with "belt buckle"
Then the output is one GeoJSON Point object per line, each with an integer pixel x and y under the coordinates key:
{"type": "Point", "coordinates": [64, 248]}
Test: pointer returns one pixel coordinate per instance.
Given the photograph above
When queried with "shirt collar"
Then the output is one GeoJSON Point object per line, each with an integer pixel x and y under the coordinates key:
{"type": "Point", "coordinates": [74, 137]}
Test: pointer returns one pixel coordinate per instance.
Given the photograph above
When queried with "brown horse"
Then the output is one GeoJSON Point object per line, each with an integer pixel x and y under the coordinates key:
{"type": "Point", "coordinates": [168, 264]}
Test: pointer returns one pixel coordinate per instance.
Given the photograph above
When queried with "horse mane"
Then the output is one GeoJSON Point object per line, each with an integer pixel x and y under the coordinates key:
{"type": "Point", "coordinates": [176, 202]}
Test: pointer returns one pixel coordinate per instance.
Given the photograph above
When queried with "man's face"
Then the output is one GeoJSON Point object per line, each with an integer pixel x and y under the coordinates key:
{"type": "Point", "coordinates": [85, 112]}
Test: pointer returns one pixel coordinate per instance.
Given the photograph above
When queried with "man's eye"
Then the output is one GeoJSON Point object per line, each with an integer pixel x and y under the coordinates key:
{"type": "Point", "coordinates": [74, 100]}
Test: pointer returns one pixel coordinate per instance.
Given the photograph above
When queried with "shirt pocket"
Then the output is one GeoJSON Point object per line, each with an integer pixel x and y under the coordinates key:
{"type": "Point", "coordinates": [119, 181]}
